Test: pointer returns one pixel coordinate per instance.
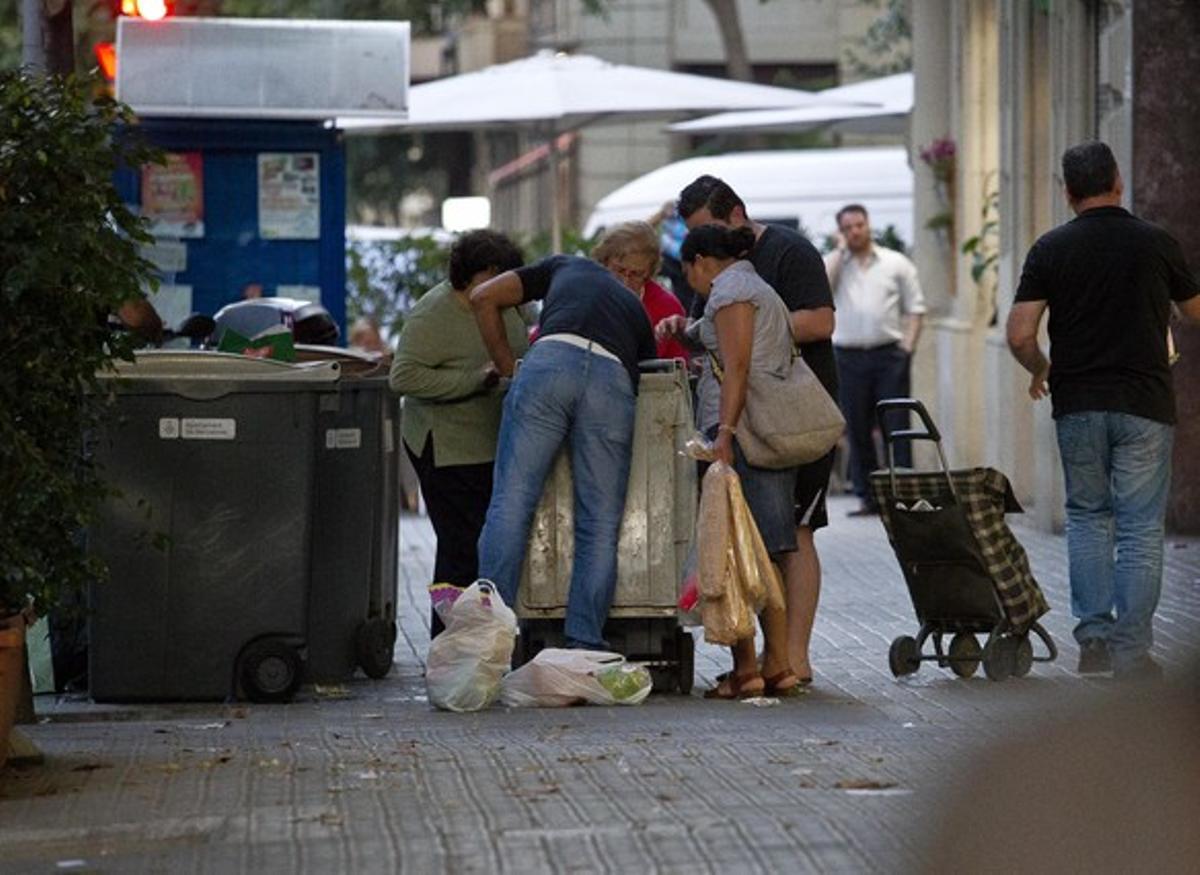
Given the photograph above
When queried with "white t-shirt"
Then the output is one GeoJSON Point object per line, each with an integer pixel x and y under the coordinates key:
{"type": "Point", "coordinates": [873, 297]}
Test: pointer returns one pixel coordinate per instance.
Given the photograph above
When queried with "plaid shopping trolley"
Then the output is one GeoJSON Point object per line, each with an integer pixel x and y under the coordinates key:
{"type": "Point", "coordinates": [966, 572]}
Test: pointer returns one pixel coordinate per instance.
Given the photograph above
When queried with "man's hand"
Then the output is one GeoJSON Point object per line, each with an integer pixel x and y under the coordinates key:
{"type": "Point", "coordinates": [488, 299]}
{"type": "Point", "coordinates": [490, 376]}
{"type": "Point", "coordinates": [1038, 385]}
{"type": "Point", "coordinates": [1022, 331]}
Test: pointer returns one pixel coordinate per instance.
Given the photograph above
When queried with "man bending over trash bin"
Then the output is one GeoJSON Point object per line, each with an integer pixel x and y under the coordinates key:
{"type": "Point", "coordinates": [577, 386]}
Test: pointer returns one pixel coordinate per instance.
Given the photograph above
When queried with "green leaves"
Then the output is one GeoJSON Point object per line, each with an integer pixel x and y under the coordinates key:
{"type": "Point", "coordinates": [984, 247]}
{"type": "Point", "coordinates": [68, 258]}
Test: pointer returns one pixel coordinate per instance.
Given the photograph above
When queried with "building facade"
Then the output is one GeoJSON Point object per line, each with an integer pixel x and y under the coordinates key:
{"type": "Point", "coordinates": [1014, 83]}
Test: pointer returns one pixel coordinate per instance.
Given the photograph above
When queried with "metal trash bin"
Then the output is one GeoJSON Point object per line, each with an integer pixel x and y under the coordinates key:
{"type": "Point", "coordinates": [216, 452]}
{"type": "Point", "coordinates": [656, 532]}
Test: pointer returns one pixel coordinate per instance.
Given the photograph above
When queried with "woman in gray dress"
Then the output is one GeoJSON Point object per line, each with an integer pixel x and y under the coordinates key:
{"type": "Point", "coordinates": [744, 329]}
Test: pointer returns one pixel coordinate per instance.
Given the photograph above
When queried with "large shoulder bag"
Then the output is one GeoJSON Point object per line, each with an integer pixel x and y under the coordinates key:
{"type": "Point", "coordinates": [789, 419]}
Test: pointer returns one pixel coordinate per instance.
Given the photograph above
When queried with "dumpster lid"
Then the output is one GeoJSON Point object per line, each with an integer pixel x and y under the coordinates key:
{"type": "Point", "coordinates": [354, 363]}
{"type": "Point", "coordinates": [172, 364]}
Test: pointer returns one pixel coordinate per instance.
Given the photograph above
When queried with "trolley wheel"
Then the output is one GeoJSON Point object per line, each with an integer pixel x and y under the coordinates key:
{"type": "Point", "coordinates": [687, 660]}
{"type": "Point", "coordinates": [374, 646]}
{"type": "Point", "coordinates": [904, 657]}
{"type": "Point", "coordinates": [270, 671]}
{"type": "Point", "coordinates": [997, 659]}
{"type": "Point", "coordinates": [1022, 655]}
{"type": "Point", "coordinates": [964, 654]}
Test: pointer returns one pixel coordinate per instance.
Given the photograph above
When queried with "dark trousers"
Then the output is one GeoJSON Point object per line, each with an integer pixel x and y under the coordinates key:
{"type": "Point", "coordinates": [866, 376]}
{"type": "Point", "coordinates": [456, 497]}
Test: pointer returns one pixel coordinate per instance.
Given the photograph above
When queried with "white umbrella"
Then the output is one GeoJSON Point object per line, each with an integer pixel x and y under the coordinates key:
{"type": "Point", "coordinates": [552, 93]}
{"type": "Point", "coordinates": [884, 105]}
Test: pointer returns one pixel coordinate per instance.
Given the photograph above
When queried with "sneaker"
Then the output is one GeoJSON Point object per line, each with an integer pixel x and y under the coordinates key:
{"type": "Point", "coordinates": [1094, 658]}
{"type": "Point", "coordinates": [1141, 669]}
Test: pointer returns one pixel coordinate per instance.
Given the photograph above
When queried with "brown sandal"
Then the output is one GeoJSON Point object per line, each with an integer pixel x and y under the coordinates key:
{"type": "Point", "coordinates": [741, 686]}
{"type": "Point", "coordinates": [776, 684]}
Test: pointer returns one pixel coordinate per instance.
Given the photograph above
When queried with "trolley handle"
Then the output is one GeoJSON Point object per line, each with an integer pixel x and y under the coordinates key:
{"type": "Point", "coordinates": [928, 432]}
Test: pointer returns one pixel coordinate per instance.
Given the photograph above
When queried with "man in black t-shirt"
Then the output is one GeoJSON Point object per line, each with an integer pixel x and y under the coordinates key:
{"type": "Point", "coordinates": [791, 265]}
{"type": "Point", "coordinates": [577, 385]}
{"type": "Point", "coordinates": [1108, 280]}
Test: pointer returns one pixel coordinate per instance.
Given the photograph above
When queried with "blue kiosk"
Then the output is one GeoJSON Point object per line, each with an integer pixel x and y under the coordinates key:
{"type": "Point", "coordinates": [219, 238]}
{"type": "Point", "coordinates": [252, 199]}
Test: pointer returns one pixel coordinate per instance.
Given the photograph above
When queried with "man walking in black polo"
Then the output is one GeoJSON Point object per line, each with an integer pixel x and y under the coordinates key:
{"type": "Point", "coordinates": [1108, 280]}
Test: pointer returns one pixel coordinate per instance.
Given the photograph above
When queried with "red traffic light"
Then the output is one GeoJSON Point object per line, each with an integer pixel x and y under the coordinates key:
{"type": "Point", "coordinates": [151, 10]}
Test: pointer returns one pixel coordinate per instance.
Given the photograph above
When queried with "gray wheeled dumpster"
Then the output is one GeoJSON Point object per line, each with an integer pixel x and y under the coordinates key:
{"type": "Point", "coordinates": [267, 485]}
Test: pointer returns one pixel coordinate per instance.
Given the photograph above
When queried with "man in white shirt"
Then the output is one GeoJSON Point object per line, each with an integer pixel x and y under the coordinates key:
{"type": "Point", "coordinates": [879, 306]}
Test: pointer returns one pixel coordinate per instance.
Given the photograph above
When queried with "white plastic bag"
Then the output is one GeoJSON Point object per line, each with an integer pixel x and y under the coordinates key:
{"type": "Point", "coordinates": [467, 660]}
{"type": "Point", "coordinates": [557, 677]}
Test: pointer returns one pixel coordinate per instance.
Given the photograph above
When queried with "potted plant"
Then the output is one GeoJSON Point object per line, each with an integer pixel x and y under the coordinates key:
{"type": "Point", "coordinates": [940, 156]}
{"type": "Point", "coordinates": [69, 257]}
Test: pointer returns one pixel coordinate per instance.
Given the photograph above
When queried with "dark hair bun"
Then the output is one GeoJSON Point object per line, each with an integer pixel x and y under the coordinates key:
{"type": "Point", "coordinates": [742, 240]}
{"type": "Point", "coordinates": [718, 241]}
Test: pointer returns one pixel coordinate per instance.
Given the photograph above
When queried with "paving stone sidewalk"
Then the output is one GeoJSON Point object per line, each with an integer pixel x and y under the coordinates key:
{"type": "Point", "coordinates": [368, 778]}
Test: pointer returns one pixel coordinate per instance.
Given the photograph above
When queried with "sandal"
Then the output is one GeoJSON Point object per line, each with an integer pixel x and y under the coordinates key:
{"type": "Point", "coordinates": [784, 683]}
{"type": "Point", "coordinates": [805, 679]}
{"type": "Point", "coordinates": [741, 686]}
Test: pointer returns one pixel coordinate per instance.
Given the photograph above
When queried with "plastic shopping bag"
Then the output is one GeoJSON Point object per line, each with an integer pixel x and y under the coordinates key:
{"type": "Point", "coordinates": [557, 677]}
{"type": "Point", "coordinates": [736, 576]}
{"type": "Point", "coordinates": [467, 661]}
{"type": "Point", "coordinates": [689, 589]}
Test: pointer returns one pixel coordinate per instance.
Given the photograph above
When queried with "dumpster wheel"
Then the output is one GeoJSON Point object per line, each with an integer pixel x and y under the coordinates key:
{"type": "Point", "coordinates": [374, 647]}
{"type": "Point", "coordinates": [270, 671]}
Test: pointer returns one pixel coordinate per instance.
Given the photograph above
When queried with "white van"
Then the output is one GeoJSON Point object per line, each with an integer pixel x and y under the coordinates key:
{"type": "Point", "coordinates": [801, 188]}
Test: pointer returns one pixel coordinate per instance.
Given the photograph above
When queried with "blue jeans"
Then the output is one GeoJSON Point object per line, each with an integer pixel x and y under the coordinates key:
{"type": "Point", "coordinates": [865, 377]}
{"type": "Point", "coordinates": [1118, 473]}
{"type": "Point", "coordinates": [563, 394]}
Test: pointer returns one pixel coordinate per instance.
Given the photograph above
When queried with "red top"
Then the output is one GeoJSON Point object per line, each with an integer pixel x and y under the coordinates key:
{"type": "Point", "coordinates": [659, 304]}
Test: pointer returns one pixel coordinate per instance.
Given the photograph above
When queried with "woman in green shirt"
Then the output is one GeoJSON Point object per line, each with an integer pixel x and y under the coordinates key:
{"type": "Point", "coordinates": [452, 401]}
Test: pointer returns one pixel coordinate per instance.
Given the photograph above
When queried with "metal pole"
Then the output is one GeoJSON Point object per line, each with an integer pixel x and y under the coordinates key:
{"type": "Point", "coordinates": [556, 231]}
{"type": "Point", "coordinates": [33, 47]}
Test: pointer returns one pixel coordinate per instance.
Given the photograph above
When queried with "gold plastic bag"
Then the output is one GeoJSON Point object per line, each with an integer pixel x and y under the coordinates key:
{"type": "Point", "coordinates": [736, 576]}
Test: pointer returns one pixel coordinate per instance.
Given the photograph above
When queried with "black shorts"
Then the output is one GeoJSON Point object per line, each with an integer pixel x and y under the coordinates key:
{"type": "Point", "coordinates": [812, 484]}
